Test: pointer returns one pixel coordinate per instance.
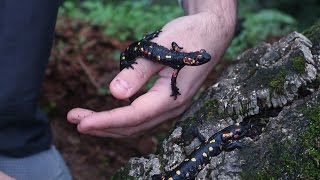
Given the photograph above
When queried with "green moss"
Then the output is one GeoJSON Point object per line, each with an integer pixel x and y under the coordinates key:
{"type": "Point", "coordinates": [188, 122]}
{"type": "Point", "coordinates": [208, 112]}
{"type": "Point", "coordinates": [283, 161]}
{"type": "Point", "coordinates": [293, 161]}
{"type": "Point", "coordinates": [311, 143]}
{"type": "Point", "coordinates": [211, 107]}
{"type": "Point", "coordinates": [210, 115]}
{"type": "Point", "coordinates": [299, 64]}
{"type": "Point", "coordinates": [212, 103]}
{"type": "Point", "coordinates": [263, 175]}
{"type": "Point", "coordinates": [313, 33]}
{"type": "Point", "coordinates": [276, 84]}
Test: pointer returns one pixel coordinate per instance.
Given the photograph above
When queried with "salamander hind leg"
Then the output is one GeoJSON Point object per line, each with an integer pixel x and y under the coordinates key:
{"type": "Point", "coordinates": [174, 88]}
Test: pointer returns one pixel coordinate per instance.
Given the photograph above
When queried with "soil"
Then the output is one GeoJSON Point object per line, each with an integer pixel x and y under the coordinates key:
{"type": "Point", "coordinates": [82, 64]}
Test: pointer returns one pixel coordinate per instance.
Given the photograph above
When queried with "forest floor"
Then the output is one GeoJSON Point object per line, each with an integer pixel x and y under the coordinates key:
{"type": "Point", "coordinates": [82, 64]}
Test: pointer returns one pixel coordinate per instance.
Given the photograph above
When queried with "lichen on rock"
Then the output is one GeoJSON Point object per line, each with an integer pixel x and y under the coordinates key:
{"type": "Point", "coordinates": [265, 77]}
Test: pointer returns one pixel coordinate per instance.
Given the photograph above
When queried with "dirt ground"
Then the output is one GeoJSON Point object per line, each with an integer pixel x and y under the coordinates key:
{"type": "Point", "coordinates": [82, 64]}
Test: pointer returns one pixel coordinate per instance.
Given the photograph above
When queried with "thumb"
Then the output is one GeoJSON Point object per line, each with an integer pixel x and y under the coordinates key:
{"type": "Point", "coordinates": [129, 81]}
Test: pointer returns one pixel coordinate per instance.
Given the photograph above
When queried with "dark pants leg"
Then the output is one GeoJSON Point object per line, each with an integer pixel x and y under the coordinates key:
{"type": "Point", "coordinates": [26, 32]}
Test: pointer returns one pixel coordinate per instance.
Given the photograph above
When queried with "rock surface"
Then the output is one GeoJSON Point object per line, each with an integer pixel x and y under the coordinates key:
{"type": "Point", "coordinates": [274, 84]}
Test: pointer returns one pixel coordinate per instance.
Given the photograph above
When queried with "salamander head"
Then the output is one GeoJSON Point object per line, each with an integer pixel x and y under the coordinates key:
{"type": "Point", "coordinates": [203, 56]}
{"type": "Point", "coordinates": [198, 58]}
{"type": "Point", "coordinates": [240, 131]}
{"type": "Point", "coordinates": [235, 132]}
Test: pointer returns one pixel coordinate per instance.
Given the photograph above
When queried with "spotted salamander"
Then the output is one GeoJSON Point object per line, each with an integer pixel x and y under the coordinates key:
{"type": "Point", "coordinates": [225, 140]}
{"type": "Point", "coordinates": [173, 58]}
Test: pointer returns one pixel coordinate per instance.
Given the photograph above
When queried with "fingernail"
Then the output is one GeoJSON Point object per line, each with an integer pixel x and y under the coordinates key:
{"type": "Point", "coordinates": [122, 86]}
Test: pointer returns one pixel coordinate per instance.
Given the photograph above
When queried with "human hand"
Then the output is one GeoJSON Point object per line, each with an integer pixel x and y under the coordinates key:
{"type": "Point", "coordinates": [3, 176]}
{"type": "Point", "coordinates": [194, 32]}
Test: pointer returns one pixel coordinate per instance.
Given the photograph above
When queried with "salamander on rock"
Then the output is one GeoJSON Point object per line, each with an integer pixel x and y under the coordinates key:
{"type": "Point", "coordinates": [225, 140]}
{"type": "Point", "coordinates": [174, 57]}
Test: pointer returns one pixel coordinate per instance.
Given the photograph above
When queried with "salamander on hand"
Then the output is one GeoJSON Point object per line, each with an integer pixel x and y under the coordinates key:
{"type": "Point", "coordinates": [174, 57]}
{"type": "Point", "coordinates": [224, 140]}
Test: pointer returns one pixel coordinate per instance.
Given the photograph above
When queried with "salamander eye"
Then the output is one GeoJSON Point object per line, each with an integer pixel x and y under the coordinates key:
{"type": "Point", "coordinates": [199, 57]}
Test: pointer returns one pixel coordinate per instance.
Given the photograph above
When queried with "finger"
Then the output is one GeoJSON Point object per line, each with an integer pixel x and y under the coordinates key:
{"type": "Point", "coordinates": [138, 130]}
{"type": "Point", "coordinates": [101, 133]}
{"type": "Point", "coordinates": [151, 104]}
{"type": "Point", "coordinates": [129, 81]}
{"type": "Point", "coordinates": [75, 115]}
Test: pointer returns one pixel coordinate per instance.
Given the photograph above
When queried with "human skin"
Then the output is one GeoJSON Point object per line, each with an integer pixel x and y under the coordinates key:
{"type": "Point", "coordinates": [209, 25]}
{"type": "Point", "coordinates": [3, 176]}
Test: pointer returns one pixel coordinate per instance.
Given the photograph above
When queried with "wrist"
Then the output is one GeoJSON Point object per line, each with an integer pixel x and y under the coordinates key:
{"type": "Point", "coordinates": [215, 31]}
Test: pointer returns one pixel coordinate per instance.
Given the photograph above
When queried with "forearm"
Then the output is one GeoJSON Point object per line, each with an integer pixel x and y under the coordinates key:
{"type": "Point", "coordinates": [223, 13]}
{"type": "Point", "coordinates": [214, 6]}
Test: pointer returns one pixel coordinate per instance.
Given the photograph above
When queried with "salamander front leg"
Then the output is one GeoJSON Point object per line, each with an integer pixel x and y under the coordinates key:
{"type": "Point", "coordinates": [127, 64]}
{"type": "Point", "coordinates": [232, 145]}
{"type": "Point", "coordinates": [152, 35]}
{"type": "Point", "coordinates": [158, 177]}
{"type": "Point", "coordinates": [174, 88]}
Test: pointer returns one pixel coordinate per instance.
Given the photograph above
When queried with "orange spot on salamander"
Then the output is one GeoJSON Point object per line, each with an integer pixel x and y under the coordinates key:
{"type": "Point", "coordinates": [189, 61]}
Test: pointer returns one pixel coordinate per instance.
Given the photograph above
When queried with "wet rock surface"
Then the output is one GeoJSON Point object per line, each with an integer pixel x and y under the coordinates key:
{"type": "Point", "coordinates": [273, 84]}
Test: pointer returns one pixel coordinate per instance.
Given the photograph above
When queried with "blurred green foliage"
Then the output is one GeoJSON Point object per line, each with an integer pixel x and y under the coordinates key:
{"type": "Point", "coordinates": [132, 19]}
{"type": "Point", "coordinates": [122, 19]}
{"type": "Point", "coordinates": [305, 12]}
{"type": "Point", "coordinates": [256, 27]}
{"type": "Point", "coordinates": [272, 18]}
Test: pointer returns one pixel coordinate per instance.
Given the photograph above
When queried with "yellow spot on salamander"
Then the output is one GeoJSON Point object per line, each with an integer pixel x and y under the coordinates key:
{"type": "Point", "coordinates": [168, 56]}
{"type": "Point", "coordinates": [210, 149]}
{"type": "Point", "coordinates": [186, 159]}
{"type": "Point", "coordinates": [141, 49]}
{"type": "Point", "coordinates": [178, 172]}
{"type": "Point", "coordinates": [204, 154]}
{"type": "Point", "coordinates": [135, 48]}
{"type": "Point", "coordinates": [139, 43]}
{"type": "Point", "coordinates": [212, 141]}
{"type": "Point", "coordinates": [187, 175]}
{"type": "Point", "coordinates": [123, 58]}
{"type": "Point", "coordinates": [198, 147]}
{"type": "Point", "coordinates": [193, 159]}
{"type": "Point", "coordinates": [150, 46]}
{"type": "Point", "coordinates": [227, 134]}
{"type": "Point", "coordinates": [158, 58]}
{"type": "Point", "coordinates": [170, 178]}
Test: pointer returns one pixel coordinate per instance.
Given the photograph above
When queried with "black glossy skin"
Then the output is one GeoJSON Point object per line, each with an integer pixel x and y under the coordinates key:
{"type": "Point", "coordinates": [173, 58]}
{"type": "Point", "coordinates": [224, 140]}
